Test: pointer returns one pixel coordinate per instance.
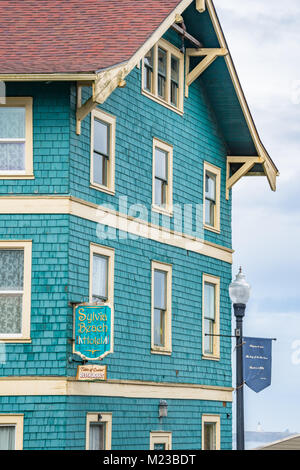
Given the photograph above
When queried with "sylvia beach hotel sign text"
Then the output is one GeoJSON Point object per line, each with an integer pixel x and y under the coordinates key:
{"type": "Point", "coordinates": [92, 338]}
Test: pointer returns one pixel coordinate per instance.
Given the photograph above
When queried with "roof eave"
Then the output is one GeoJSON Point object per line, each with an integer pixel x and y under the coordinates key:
{"type": "Point", "coordinates": [40, 77]}
{"type": "Point", "coordinates": [269, 166]}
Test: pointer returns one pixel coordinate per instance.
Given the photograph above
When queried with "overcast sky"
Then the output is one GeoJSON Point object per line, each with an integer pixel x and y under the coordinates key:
{"type": "Point", "coordinates": [263, 37]}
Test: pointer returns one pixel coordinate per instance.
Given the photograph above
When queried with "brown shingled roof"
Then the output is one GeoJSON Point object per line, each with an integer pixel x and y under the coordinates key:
{"type": "Point", "coordinates": [70, 36]}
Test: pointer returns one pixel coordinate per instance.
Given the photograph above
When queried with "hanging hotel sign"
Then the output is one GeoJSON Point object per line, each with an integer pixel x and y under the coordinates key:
{"type": "Point", "coordinates": [257, 362]}
{"type": "Point", "coordinates": [92, 331]}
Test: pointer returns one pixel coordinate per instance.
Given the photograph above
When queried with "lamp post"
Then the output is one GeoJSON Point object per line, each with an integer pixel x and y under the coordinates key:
{"type": "Point", "coordinates": [239, 292]}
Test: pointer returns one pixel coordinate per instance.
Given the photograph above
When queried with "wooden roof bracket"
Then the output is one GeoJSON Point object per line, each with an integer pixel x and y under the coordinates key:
{"type": "Point", "coordinates": [209, 56]}
{"type": "Point", "coordinates": [247, 164]}
{"type": "Point", "coordinates": [102, 87]}
{"type": "Point", "coordinates": [200, 5]}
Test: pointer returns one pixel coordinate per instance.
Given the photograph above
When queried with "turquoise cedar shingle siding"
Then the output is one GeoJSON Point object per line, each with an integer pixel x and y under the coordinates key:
{"type": "Point", "coordinates": [195, 137]}
{"type": "Point", "coordinates": [61, 267]}
{"type": "Point", "coordinates": [57, 422]}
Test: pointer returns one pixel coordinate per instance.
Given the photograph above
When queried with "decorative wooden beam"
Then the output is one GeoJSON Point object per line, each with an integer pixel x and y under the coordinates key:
{"type": "Point", "coordinates": [247, 164]}
{"type": "Point", "coordinates": [186, 35]}
{"type": "Point", "coordinates": [200, 5]}
{"type": "Point", "coordinates": [103, 86]}
{"type": "Point", "coordinates": [209, 56]}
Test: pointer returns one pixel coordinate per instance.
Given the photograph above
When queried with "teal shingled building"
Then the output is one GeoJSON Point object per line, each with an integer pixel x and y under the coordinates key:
{"type": "Point", "coordinates": [118, 152]}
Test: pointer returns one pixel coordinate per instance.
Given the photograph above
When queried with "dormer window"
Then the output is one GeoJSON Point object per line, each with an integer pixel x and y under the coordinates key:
{"type": "Point", "coordinates": [162, 75]}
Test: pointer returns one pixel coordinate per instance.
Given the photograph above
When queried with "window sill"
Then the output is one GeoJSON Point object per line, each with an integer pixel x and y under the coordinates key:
{"type": "Point", "coordinates": [15, 340]}
{"type": "Point", "coordinates": [14, 176]}
{"type": "Point", "coordinates": [161, 210]}
{"type": "Point", "coordinates": [103, 189]}
{"type": "Point", "coordinates": [162, 102]}
{"type": "Point", "coordinates": [164, 352]}
{"type": "Point", "coordinates": [212, 229]}
{"type": "Point", "coordinates": [212, 357]}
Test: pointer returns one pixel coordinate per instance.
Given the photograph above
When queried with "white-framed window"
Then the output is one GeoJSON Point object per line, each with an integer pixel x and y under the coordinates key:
{"type": "Point", "coordinates": [15, 290]}
{"type": "Point", "coordinates": [16, 154]}
{"type": "Point", "coordinates": [161, 337]}
{"type": "Point", "coordinates": [101, 274]}
{"type": "Point", "coordinates": [211, 432]}
{"type": "Point", "coordinates": [103, 141]}
{"type": "Point", "coordinates": [98, 431]}
{"type": "Point", "coordinates": [210, 317]}
{"type": "Point", "coordinates": [211, 191]}
{"type": "Point", "coordinates": [162, 75]}
{"type": "Point", "coordinates": [11, 432]}
{"type": "Point", "coordinates": [162, 177]}
{"type": "Point", "coordinates": [160, 440]}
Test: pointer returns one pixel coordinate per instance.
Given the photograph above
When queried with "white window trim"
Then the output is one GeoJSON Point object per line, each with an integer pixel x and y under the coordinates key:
{"type": "Point", "coordinates": [93, 418]}
{"type": "Point", "coordinates": [216, 419]}
{"type": "Point", "coordinates": [26, 245]}
{"type": "Point", "coordinates": [111, 121]}
{"type": "Point", "coordinates": [168, 210]}
{"type": "Point", "coordinates": [110, 254]}
{"type": "Point", "coordinates": [167, 349]}
{"type": "Point", "coordinates": [208, 167]}
{"type": "Point", "coordinates": [167, 46]}
{"type": "Point", "coordinates": [161, 437]}
{"type": "Point", "coordinates": [25, 102]}
{"type": "Point", "coordinates": [216, 339]}
{"type": "Point", "coordinates": [16, 420]}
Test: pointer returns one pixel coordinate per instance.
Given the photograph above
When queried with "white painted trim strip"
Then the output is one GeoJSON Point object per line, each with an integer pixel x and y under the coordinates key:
{"type": "Point", "coordinates": [113, 219]}
{"type": "Point", "coordinates": [42, 386]}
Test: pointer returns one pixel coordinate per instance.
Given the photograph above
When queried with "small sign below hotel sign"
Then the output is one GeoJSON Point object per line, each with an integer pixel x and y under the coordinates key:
{"type": "Point", "coordinates": [91, 372]}
{"type": "Point", "coordinates": [92, 331]}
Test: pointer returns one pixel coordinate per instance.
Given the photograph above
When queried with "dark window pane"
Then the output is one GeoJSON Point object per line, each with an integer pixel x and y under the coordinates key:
{"type": "Point", "coordinates": [147, 79]}
{"type": "Point", "coordinates": [7, 437]}
{"type": "Point", "coordinates": [148, 70]}
{"type": "Point", "coordinates": [100, 169]}
{"type": "Point", "coordinates": [97, 436]}
{"type": "Point", "coordinates": [160, 192]}
{"type": "Point", "coordinates": [161, 161]}
{"type": "Point", "coordinates": [208, 340]}
{"type": "Point", "coordinates": [159, 327]}
{"type": "Point", "coordinates": [162, 67]}
{"type": "Point", "coordinates": [100, 274]}
{"type": "Point", "coordinates": [174, 93]}
{"type": "Point", "coordinates": [209, 300]}
{"type": "Point", "coordinates": [162, 62]}
{"type": "Point", "coordinates": [161, 86]}
{"type": "Point", "coordinates": [174, 69]}
{"type": "Point", "coordinates": [159, 446]}
{"type": "Point", "coordinates": [210, 212]}
{"type": "Point", "coordinates": [210, 186]}
{"type": "Point", "coordinates": [160, 284]}
{"type": "Point", "coordinates": [101, 137]}
{"type": "Point", "coordinates": [209, 436]}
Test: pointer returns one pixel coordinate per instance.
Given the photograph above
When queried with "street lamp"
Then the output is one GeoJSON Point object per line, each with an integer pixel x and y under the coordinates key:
{"type": "Point", "coordinates": [239, 292]}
